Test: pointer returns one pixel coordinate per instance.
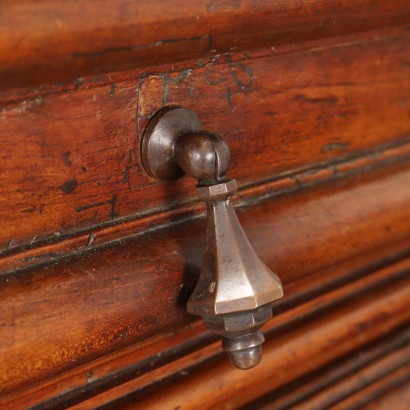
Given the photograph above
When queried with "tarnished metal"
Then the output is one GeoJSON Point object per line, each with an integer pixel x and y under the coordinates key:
{"type": "Point", "coordinates": [157, 148]}
{"type": "Point", "coordinates": [235, 289]}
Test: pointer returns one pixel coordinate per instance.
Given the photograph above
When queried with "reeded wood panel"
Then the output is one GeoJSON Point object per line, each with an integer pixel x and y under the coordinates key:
{"type": "Point", "coordinates": [309, 345]}
{"type": "Point", "coordinates": [376, 368]}
{"type": "Point", "coordinates": [97, 260]}
{"type": "Point", "coordinates": [67, 313]}
{"type": "Point", "coordinates": [394, 394]}
{"type": "Point", "coordinates": [46, 40]}
{"type": "Point", "coordinates": [70, 160]}
{"type": "Point", "coordinates": [318, 337]}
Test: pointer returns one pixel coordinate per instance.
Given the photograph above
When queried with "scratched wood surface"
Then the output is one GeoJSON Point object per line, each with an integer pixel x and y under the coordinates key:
{"type": "Point", "coordinates": [115, 286]}
{"type": "Point", "coordinates": [310, 344]}
{"type": "Point", "coordinates": [70, 161]}
{"type": "Point", "coordinates": [48, 41]}
{"type": "Point", "coordinates": [97, 259]}
{"type": "Point", "coordinates": [336, 321]}
{"type": "Point", "coordinates": [323, 345]}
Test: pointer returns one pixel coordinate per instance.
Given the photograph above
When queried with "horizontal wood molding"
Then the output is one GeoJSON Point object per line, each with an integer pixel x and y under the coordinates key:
{"type": "Point", "coordinates": [112, 372]}
{"type": "Point", "coordinates": [299, 341]}
{"type": "Point", "coordinates": [332, 378]}
{"type": "Point", "coordinates": [80, 148]}
{"type": "Point", "coordinates": [58, 247]}
{"type": "Point", "coordinates": [359, 389]}
{"type": "Point", "coordinates": [122, 366]}
{"type": "Point", "coordinates": [371, 393]}
{"type": "Point", "coordinates": [399, 360]}
{"type": "Point", "coordinates": [395, 394]}
{"type": "Point", "coordinates": [111, 285]}
{"type": "Point", "coordinates": [53, 41]}
{"type": "Point", "coordinates": [98, 259]}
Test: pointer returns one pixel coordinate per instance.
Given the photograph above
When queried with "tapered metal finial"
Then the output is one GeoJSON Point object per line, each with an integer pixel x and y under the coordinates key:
{"type": "Point", "coordinates": [235, 289]}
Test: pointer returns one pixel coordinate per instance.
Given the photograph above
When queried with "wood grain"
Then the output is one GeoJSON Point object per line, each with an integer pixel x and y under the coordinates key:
{"type": "Point", "coordinates": [311, 344]}
{"type": "Point", "coordinates": [70, 161]}
{"type": "Point", "coordinates": [281, 326]}
{"type": "Point", "coordinates": [327, 382]}
{"type": "Point", "coordinates": [97, 259]}
{"type": "Point", "coordinates": [47, 41]}
{"type": "Point", "coordinates": [46, 330]}
{"type": "Point", "coordinates": [358, 381]}
{"type": "Point", "coordinates": [42, 252]}
{"type": "Point", "coordinates": [397, 397]}
{"type": "Point", "coordinates": [153, 356]}
{"type": "Point", "coordinates": [373, 391]}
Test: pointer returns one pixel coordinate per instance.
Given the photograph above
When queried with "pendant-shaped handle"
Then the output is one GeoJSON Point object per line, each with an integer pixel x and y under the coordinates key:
{"type": "Point", "coordinates": [235, 289]}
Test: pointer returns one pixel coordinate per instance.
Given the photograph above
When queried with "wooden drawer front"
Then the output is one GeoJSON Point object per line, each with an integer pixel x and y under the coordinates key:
{"type": "Point", "coordinates": [98, 259]}
{"type": "Point", "coordinates": [72, 168]}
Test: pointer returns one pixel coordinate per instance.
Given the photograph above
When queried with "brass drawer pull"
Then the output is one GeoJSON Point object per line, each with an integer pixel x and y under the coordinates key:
{"type": "Point", "coordinates": [235, 289]}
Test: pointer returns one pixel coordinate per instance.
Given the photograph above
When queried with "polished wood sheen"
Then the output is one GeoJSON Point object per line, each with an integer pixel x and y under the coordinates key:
{"type": "Point", "coordinates": [89, 281]}
{"type": "Point", "coordinates": [51, 40]}
{"type": "Point", "coordinates": [81, 150]}
{"type": "Point", "coordinates": [98, 259]}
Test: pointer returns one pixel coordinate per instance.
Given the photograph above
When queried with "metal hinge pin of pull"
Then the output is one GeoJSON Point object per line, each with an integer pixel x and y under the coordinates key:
{"type": "Point", "coordinates": [235, 290]}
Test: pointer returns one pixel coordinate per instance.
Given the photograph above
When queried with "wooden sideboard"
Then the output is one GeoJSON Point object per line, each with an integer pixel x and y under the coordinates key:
{"type": "Point", "coordinates": [98, 259]}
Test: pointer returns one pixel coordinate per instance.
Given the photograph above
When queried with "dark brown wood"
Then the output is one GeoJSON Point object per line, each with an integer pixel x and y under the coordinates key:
{"type": "Point", "coordinates": [310, 345]}
{"type": "Point", "coordinates": [328, 382]}
{"type": "Point", "coordinates": [158, 353]}
{"type": "Point", "coordinates": [47, 41]}
{"type": "Point", "coordinates": [77, 170]}
{"type": "Point", "coordinates": [331, 397]}
{"type": "Point", "coordinates": [285, 325]}
{"type": "Point", "coordinates": [397, 397]}
{"type": "Point", "coordinates": [97, 259]}
{"type": "Point", "coordinates": [380, 387]}
{"type": "Point", "coordinates": [119, 310]}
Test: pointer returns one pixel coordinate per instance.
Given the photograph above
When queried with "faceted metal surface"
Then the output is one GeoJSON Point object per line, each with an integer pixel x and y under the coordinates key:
{"type": "Point", "coordinates": [235, 290]}
{"type": "Point", "coordinates": [233, 278]}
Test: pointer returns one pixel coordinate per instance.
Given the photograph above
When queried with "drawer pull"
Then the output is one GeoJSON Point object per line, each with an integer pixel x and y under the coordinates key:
{"type": "Point", "coordinates": [235, 290]}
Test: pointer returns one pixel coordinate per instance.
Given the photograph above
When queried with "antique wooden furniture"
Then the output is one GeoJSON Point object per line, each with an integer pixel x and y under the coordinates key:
{"type": "Point", "coordinates": [98, 258]}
